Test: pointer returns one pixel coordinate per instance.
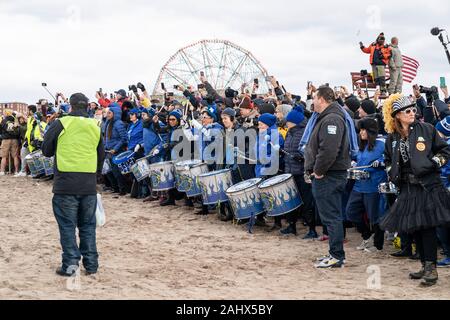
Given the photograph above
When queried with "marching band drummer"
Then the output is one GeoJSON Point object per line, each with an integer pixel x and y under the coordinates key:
{"type": "Point", "coordinates": [135, 143]}
{"type": "Point", "coordinates": [365, 197]}
{"type": "Point", "coordinates": [414, 155]}
{"type": "Point", "coordinates": [268, 155]}
{"type": "Point", "coordinates": [166, 146]}
{"type": "Point", "coordinates": [151, 140]}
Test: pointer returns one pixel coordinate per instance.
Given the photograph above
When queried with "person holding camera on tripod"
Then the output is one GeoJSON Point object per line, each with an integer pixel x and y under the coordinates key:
{"type": "Point", "coordinates": [380, 53]}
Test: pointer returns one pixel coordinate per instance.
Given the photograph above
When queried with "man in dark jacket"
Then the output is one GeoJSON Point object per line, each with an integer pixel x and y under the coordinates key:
{"type": "Point", "coordinates": [10, 142]}
{"type": "Point", "coordinates": [75, 142]}
{"type": "Point", "coordinates": [327, 159]}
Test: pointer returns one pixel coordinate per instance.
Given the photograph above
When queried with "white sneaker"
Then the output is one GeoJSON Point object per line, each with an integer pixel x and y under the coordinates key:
{"type": "Point", "coordinates": [365, 244]}
{"type": "Point", "coordinates": [2, 174]}
{"type": "Point", "coordinates": [372, 249]}
{"type": "Point", "coordinates": [20, 174]}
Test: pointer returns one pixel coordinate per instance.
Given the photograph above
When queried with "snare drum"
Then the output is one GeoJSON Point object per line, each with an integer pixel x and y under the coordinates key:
{"type": "Point", "coordinates": [280, 195]}
{"type": "Point", "coordinates": [48, 166]}
{"type": "Point", "coordinates": [357, 175]}
{"type": "Point", "coordinates": [141, 170]}
{"type": "Point", "coordinates": [186, 177]}
{"type": "Point", "coordinates": [125, 161]}
{"type": "Point", "coordinates": [388, 188]}
{"type": "Point", "coordinates": [35, 163]}
{"type": "Point", "coordinates": [214, 185]}
{"type": "Point", "coordinates": [245, 199]}
{"type": "Point", "coordinates": [162, 176]}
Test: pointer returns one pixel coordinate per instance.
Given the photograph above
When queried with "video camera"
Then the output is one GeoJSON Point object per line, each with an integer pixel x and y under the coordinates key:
{"type": "Point", "coordinates": [432, 93]}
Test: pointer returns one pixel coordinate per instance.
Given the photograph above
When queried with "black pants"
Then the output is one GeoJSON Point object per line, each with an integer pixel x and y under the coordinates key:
{"type": "Point", "coordinates": [307, 209]}
{"type": "Point", "coordinates": [426, 242]}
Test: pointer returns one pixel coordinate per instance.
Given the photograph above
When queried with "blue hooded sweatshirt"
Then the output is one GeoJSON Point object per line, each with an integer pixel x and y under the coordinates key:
{"type": "Point", "coordinates": [151, 138]}
{"type": "Point", "coordinates": [135, 135]}
{"type": "Point", "coordinates": [445, 172]}
{"type": "Point", "coordinates": [118, 140]}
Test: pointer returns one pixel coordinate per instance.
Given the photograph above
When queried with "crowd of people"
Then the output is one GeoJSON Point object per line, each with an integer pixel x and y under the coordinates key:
{"type": "Point", "coordinates": [379, 164]}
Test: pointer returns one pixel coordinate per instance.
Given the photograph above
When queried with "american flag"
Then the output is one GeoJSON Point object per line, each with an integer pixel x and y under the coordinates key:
{"type": "Point", "coordinates": [409, 69]}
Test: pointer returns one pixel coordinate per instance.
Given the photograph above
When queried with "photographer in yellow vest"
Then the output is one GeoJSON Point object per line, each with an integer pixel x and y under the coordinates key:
{"type": "Point", "coordinates": [76, 144]}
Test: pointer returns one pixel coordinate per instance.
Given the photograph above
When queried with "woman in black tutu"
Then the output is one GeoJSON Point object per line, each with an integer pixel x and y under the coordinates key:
{"type": "Point", "coordinates": [414, 155]}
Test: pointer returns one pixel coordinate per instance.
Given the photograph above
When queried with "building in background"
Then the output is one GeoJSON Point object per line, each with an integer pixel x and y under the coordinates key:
{"type": "Point", "coordinates": [14, 106]}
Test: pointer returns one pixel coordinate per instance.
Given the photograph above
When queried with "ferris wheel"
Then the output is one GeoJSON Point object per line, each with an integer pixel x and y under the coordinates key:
{"type": "Point", "coordinates": [225, 64]}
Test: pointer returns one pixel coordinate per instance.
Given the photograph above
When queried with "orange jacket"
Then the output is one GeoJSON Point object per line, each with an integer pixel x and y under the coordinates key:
{"type": "Point", "coordinates": [385, 51]}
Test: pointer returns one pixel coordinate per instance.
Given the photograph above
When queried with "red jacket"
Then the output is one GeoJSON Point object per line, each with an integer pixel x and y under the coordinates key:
{"type": "Point", "coordinates": [385, 51]}
{"type": "Point", "coordinates": [106, 102]}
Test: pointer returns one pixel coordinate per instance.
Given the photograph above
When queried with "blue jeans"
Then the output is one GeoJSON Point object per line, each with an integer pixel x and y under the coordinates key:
{"type": "Point", "coordinates": [328, 193]}
{"type": "Point", "coordinates": [72, 212]}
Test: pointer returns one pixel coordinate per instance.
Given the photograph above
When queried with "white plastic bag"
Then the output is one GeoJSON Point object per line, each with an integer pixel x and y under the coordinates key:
{"type": "Point", "coordinates": [100, 212]}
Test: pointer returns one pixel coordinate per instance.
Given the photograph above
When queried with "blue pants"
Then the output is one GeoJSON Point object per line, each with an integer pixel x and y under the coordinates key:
{"type": "Point", "coordinates": [328, 193]}
{"type": "Point", "coordinates": [361, 203]}
{"type": "Point", "coordinates": [72, 212]}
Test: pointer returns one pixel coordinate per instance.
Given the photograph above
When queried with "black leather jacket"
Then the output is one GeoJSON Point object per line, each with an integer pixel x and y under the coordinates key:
{"type": "Point", "coordinates": [424, 144]}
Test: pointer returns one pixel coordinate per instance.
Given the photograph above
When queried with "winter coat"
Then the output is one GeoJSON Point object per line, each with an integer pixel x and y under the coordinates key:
{"type": "Point", "coordinates": [135, 135]}
{"type": "Point", "coordinates": [266, 155]}
{"type": "Point", "coordinates": [118, 140]}
{"type": "Point", "coordinates": [294, 164]}
{"type": "Point", "coordinates": [377, 175]}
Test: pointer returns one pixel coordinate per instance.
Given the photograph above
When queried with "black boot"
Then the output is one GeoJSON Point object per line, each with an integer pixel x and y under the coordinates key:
{"type": "Point", "coordinates": [203, 212]}
{"type": "Point", "coordinates": [188, 203]}
{"type": "Point", "coordinates": [430, 276]}
{"type": "Point", "coordinates": [291, 229]}
{"type": "Point", "coordinates": [169, 201]}
{"type": "Point", "coordinates": [405, 253]}
{"type": "Point", "coordinates": [418, 275]}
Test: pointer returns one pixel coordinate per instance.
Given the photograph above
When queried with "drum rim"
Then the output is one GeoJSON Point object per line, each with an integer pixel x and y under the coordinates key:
{"type": "Point", "coordinates": [254, 185]}
{"type": "Point", "coordinates": [161, 164]}
{"type": "Point", "coordinates": [199, 162]}
{"type": "Point", "coordinates": [261, 185]}
{"type": "Point", "coordinates": [210, 174]}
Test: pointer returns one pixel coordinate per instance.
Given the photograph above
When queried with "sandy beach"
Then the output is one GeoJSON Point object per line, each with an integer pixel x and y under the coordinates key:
{"type": "Point", "coordinates": [147, 252]}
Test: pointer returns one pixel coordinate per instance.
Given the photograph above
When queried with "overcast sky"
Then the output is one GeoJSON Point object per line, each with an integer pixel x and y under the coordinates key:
{"type": "Point", "coordinates": [79, 46]}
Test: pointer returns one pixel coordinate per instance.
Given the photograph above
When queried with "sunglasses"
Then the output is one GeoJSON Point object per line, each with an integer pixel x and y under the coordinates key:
{"type": "Point", "coordinates": [409, 110]}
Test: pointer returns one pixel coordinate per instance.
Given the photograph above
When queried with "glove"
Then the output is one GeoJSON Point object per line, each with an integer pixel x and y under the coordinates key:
{"type": "Point", "coordinates": [196, 125]}
{"type": "Point", "coordinates": [133, 88]}
{"type": "Point", "coordinates": [437, 160]}
{"type": "Point", "coordinates": [137, 148]}
{"type": "Point", "coordinates": [141, 86]}
{"type": "Point", "coordinates": [376, 164]}
{"type": "Point", "coordinates": [353, 164]}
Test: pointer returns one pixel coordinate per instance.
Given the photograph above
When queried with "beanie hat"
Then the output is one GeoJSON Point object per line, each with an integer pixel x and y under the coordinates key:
{"type": "Point", "coordinates": [284, 109]}
{"type": "Point", "coordinates": [137, 112]}
{"type": "Point", "coordinates": [353, 103]}
{"type": "Point", "coordinates": [296, 116]}
{"type": "Point", "coordinates": [211, 112]}
{"type": "Point", "coordinates": [268, 119]}
{"type": "Point", "coordinates": [267, 108]}
{"type": "Point", "coordinates": [176, 113]}
{"type": "Point", "coordinates": [229, 112]}
{"type": "Point", "coordinates": [369, 124]}
{"type": "Point", "coordinates": [368, 106]}
{"type": "Point", "coordinates": [444, 127]}
{"type": "Point", "coordinates": [246, 103]}
{"type": "Point", "coordinates": [381, 36]}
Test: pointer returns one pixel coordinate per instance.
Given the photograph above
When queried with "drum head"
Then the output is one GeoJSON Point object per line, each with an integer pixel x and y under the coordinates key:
{"type": "Point", "coordinates": [275, 180]}
{"type": "Point", "coordinates": [214, 173]}
{"type": "Point", "coordinates": [123, 156]}
{"type": "Point", "coordinates": [188, 163]}
{"type": "Point", "coordinates": [244, 185]}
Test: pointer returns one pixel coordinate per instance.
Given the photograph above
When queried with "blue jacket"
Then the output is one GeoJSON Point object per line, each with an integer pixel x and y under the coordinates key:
{"type": "Point", "coordinates": [205, 141]}
{"type": "Point", "coordinates": [135, 135]}
{"type": "Point", "coordinates": [377, 175]}
{"type": "Point", "coordinates": [119, 138]}
{"type": "Point", "coordinates": [151, 138]}
{"type": "Point", "coordinates": [265, 153]}
{"type": "Point", "coordinates": [445, 172]}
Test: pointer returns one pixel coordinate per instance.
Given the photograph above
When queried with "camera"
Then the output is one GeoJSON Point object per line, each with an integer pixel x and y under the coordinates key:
{"type": "Point", "coordinates": [428, 91]}
{"type": "Point", "coordinates": [44, 84]}
{"type": "Point", "coordinates": [364, 73]}
{"type": "Point", "coordinates": [201, 86]}
{"type": "Point", "coordinates": [133, 88]}
{"type": "Point", "coordinates": [175, 87]}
